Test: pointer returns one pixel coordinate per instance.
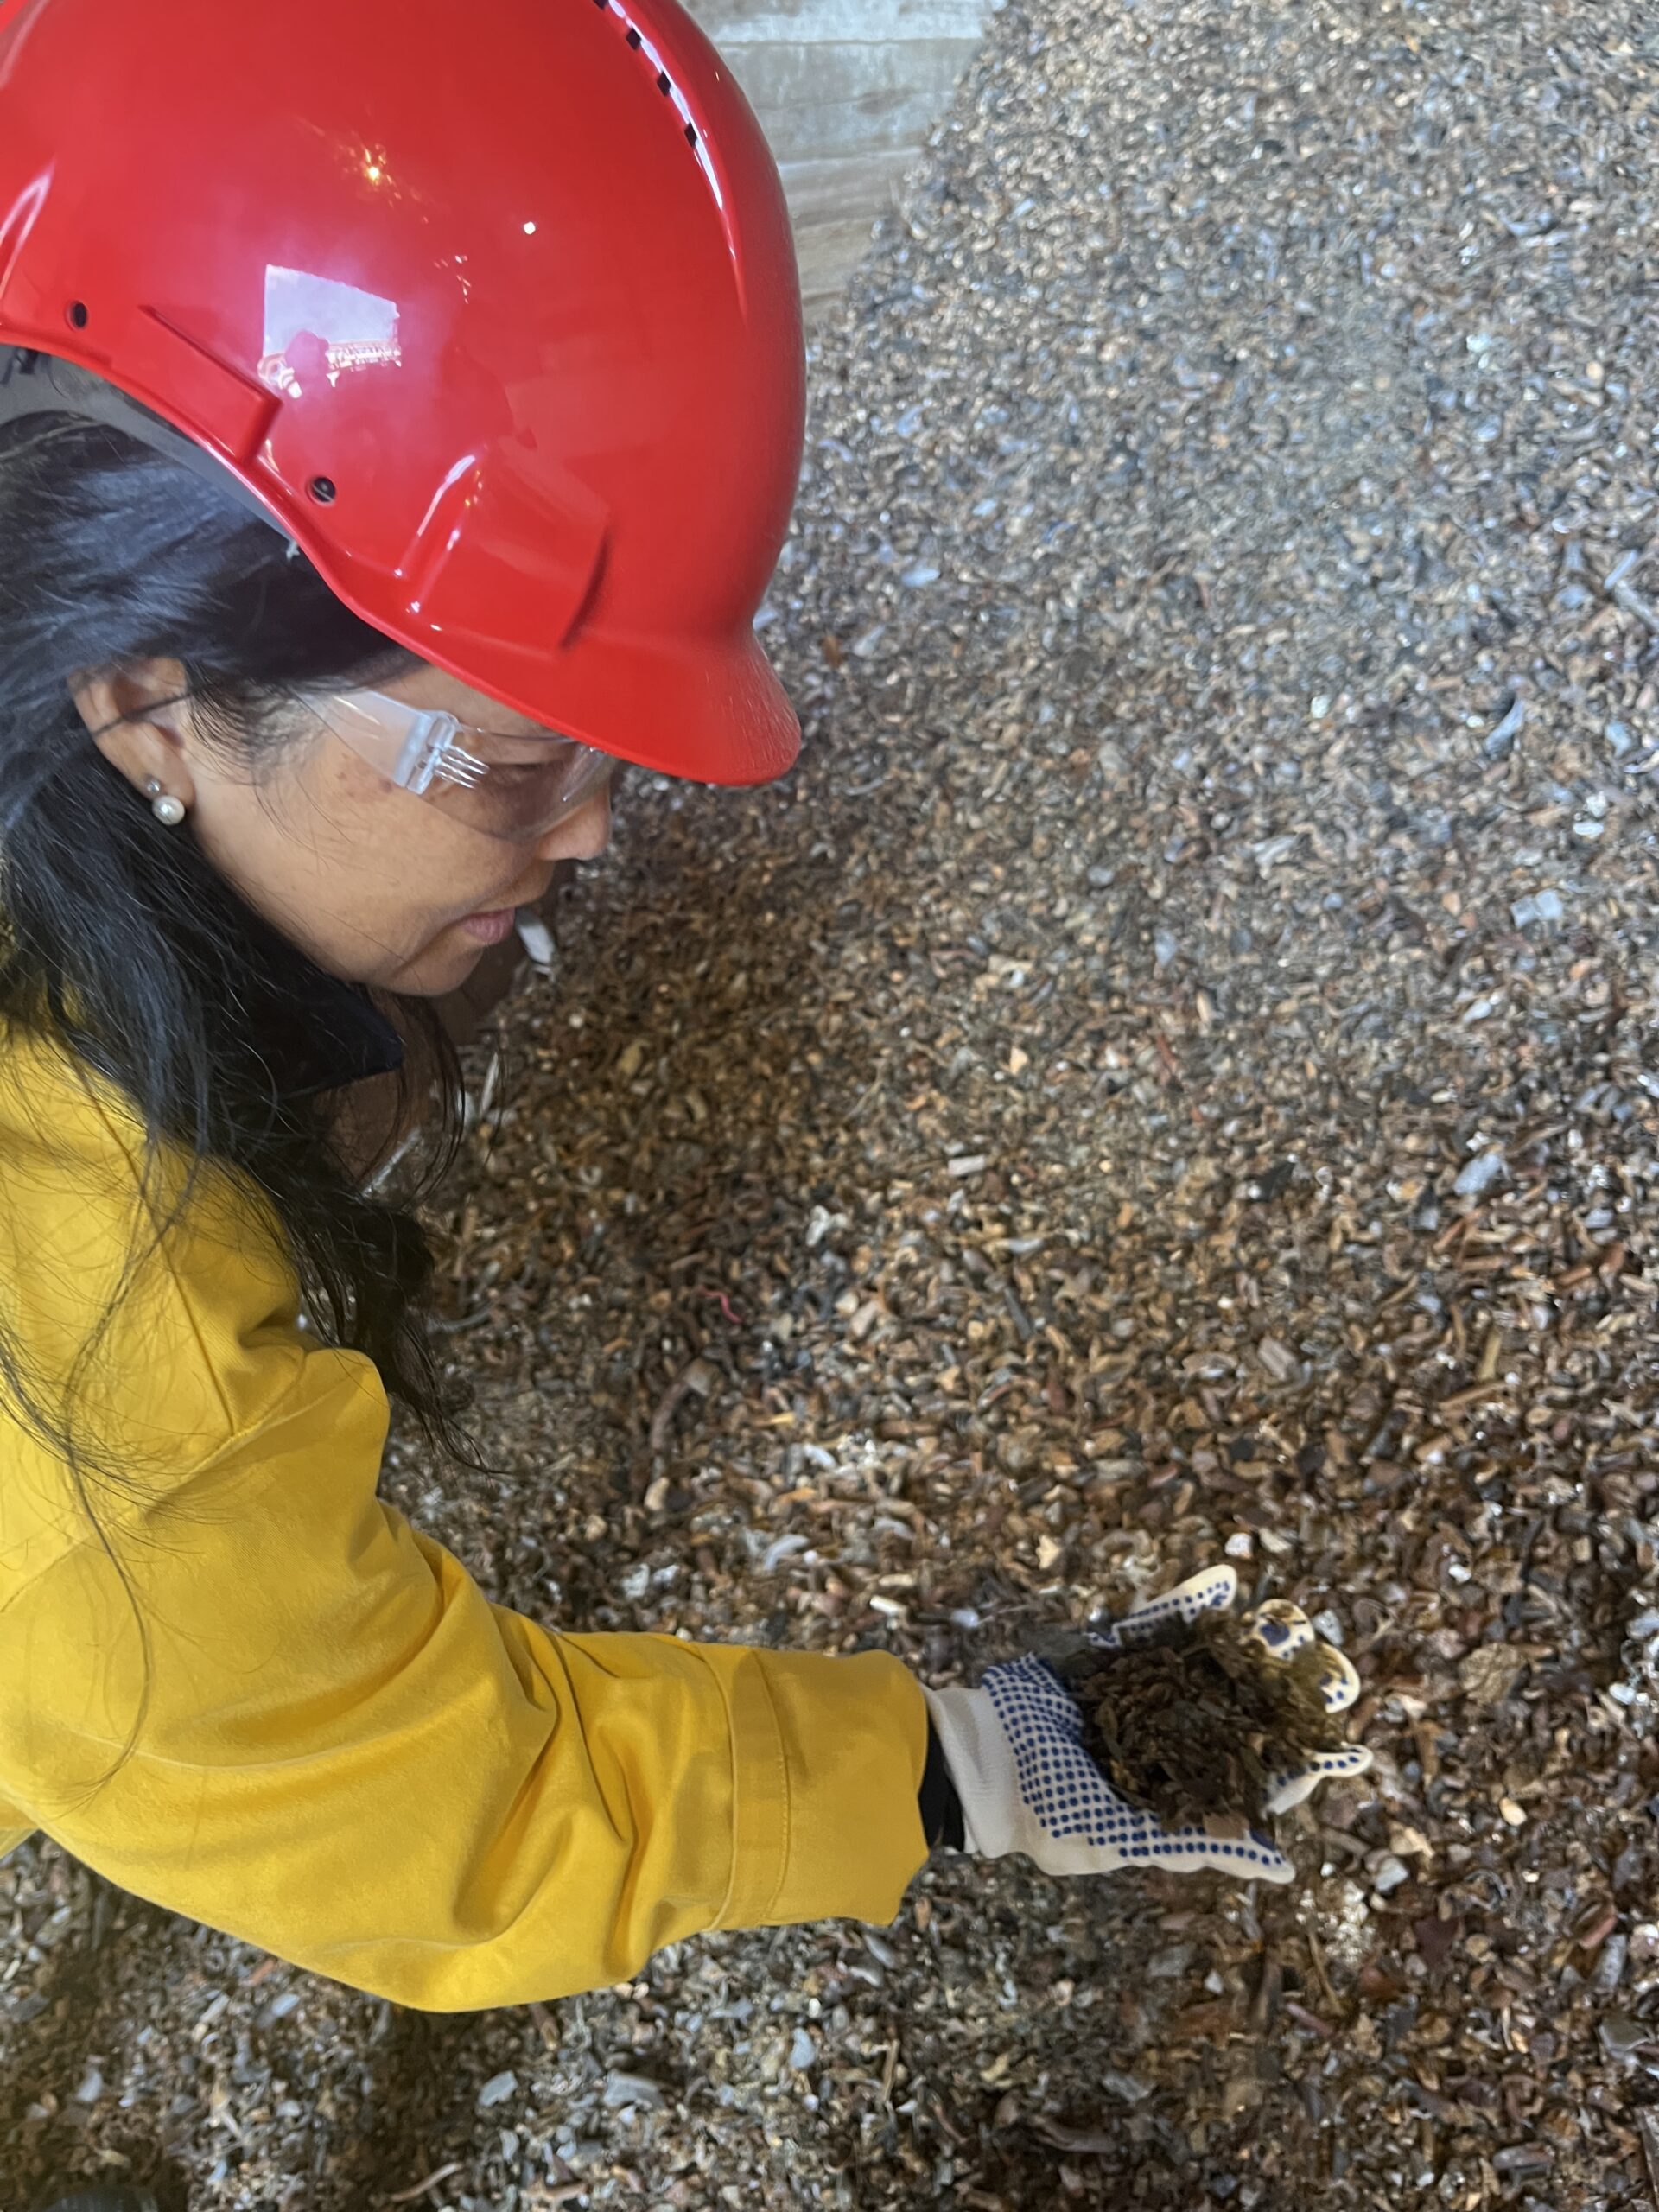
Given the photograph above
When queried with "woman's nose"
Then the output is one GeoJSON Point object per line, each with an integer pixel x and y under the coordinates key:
{"type": "Point", "coordinates": [583, 836]}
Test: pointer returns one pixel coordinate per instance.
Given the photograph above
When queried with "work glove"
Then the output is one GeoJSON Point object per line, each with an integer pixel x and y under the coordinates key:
{"type": "Point", "coordinates": [1013, 1749]}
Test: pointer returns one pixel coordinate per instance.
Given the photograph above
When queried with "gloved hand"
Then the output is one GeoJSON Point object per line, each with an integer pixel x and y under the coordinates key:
{"type": "Point", "coordinates": [1013, 1751]}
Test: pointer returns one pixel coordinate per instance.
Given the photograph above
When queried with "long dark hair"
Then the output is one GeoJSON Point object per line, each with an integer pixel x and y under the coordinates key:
{"type": "Point", "coordinates": [120, 943]}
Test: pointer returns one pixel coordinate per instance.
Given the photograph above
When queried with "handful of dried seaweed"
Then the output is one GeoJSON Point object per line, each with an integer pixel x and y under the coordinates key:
{"type": "Point", "coordinates": [1190, 1724]}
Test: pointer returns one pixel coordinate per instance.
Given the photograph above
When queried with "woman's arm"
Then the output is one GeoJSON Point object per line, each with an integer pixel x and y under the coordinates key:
{"type": "Point", "coordinates": [339, 1751]}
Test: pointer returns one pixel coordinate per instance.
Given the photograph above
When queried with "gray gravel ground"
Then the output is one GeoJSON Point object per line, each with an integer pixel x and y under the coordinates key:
{"type": "Point", "coordinates": [1174, 1073]}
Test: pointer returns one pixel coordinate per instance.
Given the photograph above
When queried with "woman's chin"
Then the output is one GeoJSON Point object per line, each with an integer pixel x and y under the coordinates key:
{"type": "Point", "coordinates": [441, 966]}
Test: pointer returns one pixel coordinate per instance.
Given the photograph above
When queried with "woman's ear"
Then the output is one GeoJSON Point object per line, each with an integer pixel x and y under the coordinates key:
{"type": "Point", "coordinates": [113, 703]}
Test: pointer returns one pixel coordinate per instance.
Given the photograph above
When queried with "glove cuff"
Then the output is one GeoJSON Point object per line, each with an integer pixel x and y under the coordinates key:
{"type": "Point", "coordinates": [980, 1762]}
{"type": "Point", "coordinates": [937, 1799]}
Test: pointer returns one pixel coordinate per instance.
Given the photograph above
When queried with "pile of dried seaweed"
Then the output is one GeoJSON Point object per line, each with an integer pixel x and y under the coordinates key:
{"type": "Point", "coordinates": [1191, 1723]}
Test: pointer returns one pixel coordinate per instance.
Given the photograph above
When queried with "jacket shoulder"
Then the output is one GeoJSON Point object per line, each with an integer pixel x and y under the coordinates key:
{"type": "Point", "coordinates": [169, 1309]}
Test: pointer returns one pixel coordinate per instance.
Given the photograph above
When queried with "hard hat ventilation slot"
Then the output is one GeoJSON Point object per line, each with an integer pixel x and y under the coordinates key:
{"type": "Point", "coordinates": [670, 91]}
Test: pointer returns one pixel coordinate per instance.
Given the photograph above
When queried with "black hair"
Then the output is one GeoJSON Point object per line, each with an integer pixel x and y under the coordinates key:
{"type": "Point", "coordinates": [121, 944]}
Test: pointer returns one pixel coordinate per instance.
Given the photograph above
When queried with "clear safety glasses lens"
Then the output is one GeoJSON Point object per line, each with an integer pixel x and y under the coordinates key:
{"type": "Point", "coordinates": [516, 788]}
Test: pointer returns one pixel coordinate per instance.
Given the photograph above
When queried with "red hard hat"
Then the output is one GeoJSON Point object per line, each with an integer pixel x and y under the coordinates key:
{"type": "Point", "coordinates": [494, 309]}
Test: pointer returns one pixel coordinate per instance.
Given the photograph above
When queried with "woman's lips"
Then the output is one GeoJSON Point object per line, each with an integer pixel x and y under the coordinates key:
{"type": "Point", "coordinates": [491, 928]}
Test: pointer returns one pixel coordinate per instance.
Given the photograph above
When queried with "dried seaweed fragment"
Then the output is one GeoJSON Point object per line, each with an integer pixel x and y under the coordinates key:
{"type": "Point", "coordinates": [1191, 1723]}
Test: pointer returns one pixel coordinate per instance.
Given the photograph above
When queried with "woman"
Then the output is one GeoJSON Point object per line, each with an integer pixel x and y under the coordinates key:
{"type": "Point", "coordinates": [398, 424]}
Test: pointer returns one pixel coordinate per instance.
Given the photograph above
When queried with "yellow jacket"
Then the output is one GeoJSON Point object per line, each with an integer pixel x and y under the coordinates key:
{"type": "Point", "coordinates": [339, 1750]}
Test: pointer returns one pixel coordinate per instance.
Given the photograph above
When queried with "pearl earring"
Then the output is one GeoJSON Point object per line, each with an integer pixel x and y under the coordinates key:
{"type": "Point", "coordinates": [162, 804]}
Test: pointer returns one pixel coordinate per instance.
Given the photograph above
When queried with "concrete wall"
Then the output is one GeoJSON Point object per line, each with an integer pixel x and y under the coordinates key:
{"type": "Point", "coordinates": [847, 92]}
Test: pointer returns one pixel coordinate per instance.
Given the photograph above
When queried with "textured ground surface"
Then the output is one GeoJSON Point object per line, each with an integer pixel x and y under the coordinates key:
{"type": "Point", "coordinates": [1175, 1072]}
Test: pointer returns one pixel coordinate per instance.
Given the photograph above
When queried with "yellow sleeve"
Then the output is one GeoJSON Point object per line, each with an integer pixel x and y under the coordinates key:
{"type": "Point", "coordinates": [341, 1751]}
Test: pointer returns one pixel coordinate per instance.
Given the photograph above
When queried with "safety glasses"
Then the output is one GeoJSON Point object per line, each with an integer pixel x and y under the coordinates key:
{"type": "Point", "coordinates": [515, 787]}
